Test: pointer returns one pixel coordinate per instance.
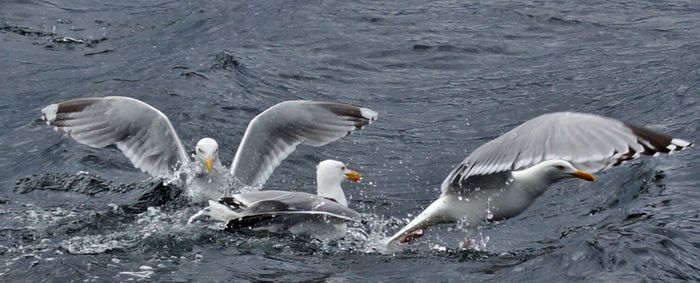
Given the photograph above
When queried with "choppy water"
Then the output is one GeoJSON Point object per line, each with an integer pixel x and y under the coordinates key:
{"type": "Point", "coordinates": [446, 76]}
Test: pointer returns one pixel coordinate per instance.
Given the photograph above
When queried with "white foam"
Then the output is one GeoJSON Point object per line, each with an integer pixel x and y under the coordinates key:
{"type": "Point", "coordinates": [93, 244]}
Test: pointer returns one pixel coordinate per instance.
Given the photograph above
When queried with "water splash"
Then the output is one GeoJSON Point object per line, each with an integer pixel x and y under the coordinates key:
{"type": "Point", "coordinates": [371, 235]}
{"type": "Point", "coordinates": [96, 244]}
{"type": "Point", "coordinates": [477, 244]}
{"type": "Point", "coordinates": [204, 186]}
{"type": "Point", "coordinates": [150, 227]}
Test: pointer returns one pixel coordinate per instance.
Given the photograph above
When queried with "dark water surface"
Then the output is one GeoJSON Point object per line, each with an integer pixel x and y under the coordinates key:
{"type": "Point", "coordinates": [445, 76]}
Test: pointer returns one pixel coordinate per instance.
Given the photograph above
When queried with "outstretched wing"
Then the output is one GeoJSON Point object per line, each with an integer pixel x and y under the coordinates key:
{"type": "Point", "coordinates": [587, 141]}
{"type": "Point", "coordinates": [140, 131]}
{"type": "Point", "coordinates": [275, 133]}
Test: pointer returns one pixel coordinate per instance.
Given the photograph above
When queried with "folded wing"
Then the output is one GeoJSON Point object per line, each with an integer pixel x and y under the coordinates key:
{"type": "Point", "coordinates": [141, 132]}
{"type": "Point", "coordinates": [284, 208]}
{"type": "Point", "coordinates": [287, 202]}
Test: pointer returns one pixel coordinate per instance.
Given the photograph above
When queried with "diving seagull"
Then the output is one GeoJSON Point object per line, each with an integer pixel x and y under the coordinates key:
{"type": "Point", "coordinates": [146, 136]}
{"type": "Point", "coordinates": [501, 178]}
{"type": "Point", "coordinates": [324, 215]}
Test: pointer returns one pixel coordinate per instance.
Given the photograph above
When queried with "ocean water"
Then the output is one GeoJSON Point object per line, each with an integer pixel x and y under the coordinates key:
{"type": "Point", "coordinates": [445, 77]}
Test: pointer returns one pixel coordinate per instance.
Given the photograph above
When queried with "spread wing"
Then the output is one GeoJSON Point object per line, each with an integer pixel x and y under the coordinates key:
{"type": "Point", "coordinates": [140, 131]}
{"type": "Point", "coordinates": [275, 133]}
{"type": "Point", "coordinates": [589, 142]}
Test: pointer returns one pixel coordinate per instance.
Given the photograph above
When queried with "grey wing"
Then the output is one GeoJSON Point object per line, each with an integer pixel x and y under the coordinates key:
{"type": "Point", "coordinates": [588, 141]}
{"type": "Point", "coordinates": [275, 133]}
{"type": "Point", "coordinates": [250, 198]}
{"type": "Point", "coordinates": [140, 131]}
{"type": "Point", "coordinates": [285, 202]}
{"type": "Point", "coordinates": [476, 183]}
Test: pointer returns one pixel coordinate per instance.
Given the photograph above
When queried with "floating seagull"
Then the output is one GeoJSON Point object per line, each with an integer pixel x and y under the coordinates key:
{"type": "Point", "coordinates": [148, 139]}
{"type": "Point", "coordinates": [501, 178]}
{"type": "Point", "coordinates": [324, 215]}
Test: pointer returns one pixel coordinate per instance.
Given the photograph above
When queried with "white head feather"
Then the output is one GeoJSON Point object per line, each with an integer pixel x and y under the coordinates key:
{"type": "Point", "coordinates": [329, 176]}
{"type": "Point", "coordinates": [207, 152]}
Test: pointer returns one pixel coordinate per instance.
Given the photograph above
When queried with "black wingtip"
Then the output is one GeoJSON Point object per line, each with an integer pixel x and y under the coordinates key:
{"type": "Point", "coordinates": [653, 142]}
{"type": "Point", "coordinates": [360, 115]}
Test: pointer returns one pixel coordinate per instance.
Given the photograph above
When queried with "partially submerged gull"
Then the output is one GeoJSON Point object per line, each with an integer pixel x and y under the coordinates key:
{"type": "Point", "coordinates": [324, 215]}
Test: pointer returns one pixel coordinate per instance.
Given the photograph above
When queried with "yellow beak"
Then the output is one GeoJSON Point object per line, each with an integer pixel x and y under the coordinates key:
{"type": "Point", "coordinates": [583, 175]}
{"type": "Point", "coordinates": [209, 164]}
{"type": "Point", "coordinates": [353, 176]}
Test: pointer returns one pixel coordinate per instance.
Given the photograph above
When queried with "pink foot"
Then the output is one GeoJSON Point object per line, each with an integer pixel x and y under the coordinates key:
{"type": "Point", "coordinates": [410, 237]}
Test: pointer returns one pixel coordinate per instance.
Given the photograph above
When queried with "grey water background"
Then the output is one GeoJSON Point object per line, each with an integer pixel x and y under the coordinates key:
{"type": "Point", "coordinates": [445, 76]}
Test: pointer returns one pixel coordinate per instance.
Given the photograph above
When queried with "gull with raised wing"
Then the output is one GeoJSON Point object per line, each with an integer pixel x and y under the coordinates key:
{"type": "Point", "coordinates": [146, 136]}
{"type": "Point", "coordinates": [503, 177]}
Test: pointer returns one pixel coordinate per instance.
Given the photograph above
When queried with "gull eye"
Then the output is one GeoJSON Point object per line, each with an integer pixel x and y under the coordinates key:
{"type": "Point", "coordinates": [560, 167]}
{"type": "Point", "coordinates": [342, 168]}
{"type": "Point", "coordinates": [199, 150]}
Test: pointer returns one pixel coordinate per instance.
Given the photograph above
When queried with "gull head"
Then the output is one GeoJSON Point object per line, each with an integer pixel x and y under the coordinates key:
{"type": "Point", "coordinates": [329, 175]}
{"type": "Point", "coordinates": [333, 172]}
{"type": "Point", "coordinates": [560, 169]}
{"type": "Point", "coordinates": [207, 151]}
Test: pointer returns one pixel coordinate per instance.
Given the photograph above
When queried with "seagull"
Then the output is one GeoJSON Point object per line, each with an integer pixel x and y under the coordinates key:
{"type": "Point", "coordinates": [323, 215]}
{"type": "Point", "coordinates": [146, 136]}
{"type": "Point", "coordinates": [503, 177]}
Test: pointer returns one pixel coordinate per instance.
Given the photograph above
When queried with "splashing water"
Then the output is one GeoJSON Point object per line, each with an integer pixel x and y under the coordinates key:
{"type": "Point", "coordinates": [202, 186]}
{"type": "Point", "coordinates": [150, 226]}
{"type": "Point", "coordinates": [478, 244]}
{"type": "Point", "coordinates": [370, 236]}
